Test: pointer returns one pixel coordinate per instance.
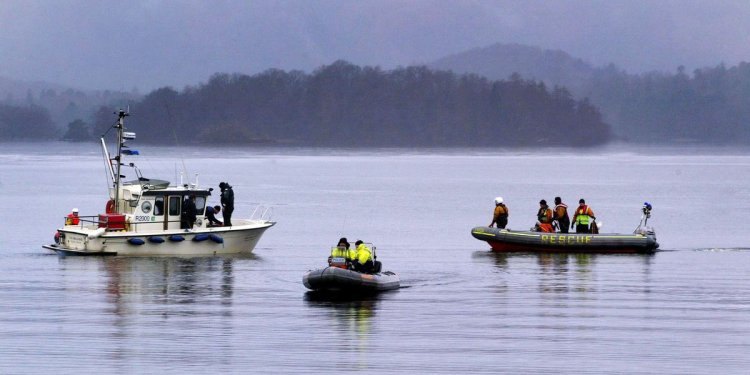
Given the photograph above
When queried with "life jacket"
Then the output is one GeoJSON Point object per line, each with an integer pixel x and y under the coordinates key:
{"type": "Point", "coordinates": [582, 215]}
{"type": "Point", "coordinates": [561, 212]}
{"type": "Point", "coordinates": [501, 212]}
{"type": "Point", "coordinates": [72, 219]}
{"type": "Point", "coordinates": [347, 255]}
{"type": "Point", "coordinates": [544, 215]}
{"type": "Point", "coordinates": [364, 254]}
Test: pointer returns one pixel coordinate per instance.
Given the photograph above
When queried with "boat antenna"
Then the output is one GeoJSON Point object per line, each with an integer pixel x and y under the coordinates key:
{"type": "Point", "coordinates": [120, 126]}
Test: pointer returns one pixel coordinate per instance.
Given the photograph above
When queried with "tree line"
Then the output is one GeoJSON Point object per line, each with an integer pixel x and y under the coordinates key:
{"type": "Point", "coordinates": [710, 107]}
{"type": "Point", "coordinates": [344, 105]}
{"type": "Point", "coordinates": [26, 123]}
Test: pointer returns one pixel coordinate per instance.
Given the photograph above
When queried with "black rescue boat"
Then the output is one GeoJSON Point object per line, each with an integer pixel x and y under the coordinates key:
{"type": "Point", "coordinates": [642, 240]}
{"type": "Point", "coordinates": [335, 279]}
{"type": "Point", "coordinates": [340, 276]}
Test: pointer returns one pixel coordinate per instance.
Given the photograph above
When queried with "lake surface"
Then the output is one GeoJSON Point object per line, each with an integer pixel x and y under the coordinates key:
{"type": "Point", "coordinates": [462, 308]}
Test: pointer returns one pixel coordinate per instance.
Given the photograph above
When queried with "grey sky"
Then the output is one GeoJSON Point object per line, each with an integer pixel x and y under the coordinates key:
{"type": "Point", "coordinates": [149, 44]}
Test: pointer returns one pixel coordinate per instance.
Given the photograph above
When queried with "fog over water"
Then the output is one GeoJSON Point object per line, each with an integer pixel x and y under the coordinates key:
{"type": "Point", "coordinates": [146, 44]}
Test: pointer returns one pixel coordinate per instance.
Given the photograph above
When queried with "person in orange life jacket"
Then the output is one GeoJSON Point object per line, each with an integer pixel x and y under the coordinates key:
{"type": "Point", "coordinates": [544, 216]}
{"type": "Point", "coordinates": [560, 215]}
{"type": "Point", "coordinates": [72, 218]}
{"type": "Point", "coordinates": [583, 216]}
{"type": "Point", "coordinates": [500, 216]}
{"type": "Point", "coordinates": [211, 216]}
{"type": "Point", "coordinates": [363, 262]}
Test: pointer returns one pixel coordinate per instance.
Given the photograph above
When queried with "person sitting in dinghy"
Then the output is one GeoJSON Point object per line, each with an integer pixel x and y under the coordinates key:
{"type": "Point", "coordinates": [544, 217]}
{"type": "Point", "coordinates": [342, 256]}
{"type": "Point", "coordinates": [364, 262]}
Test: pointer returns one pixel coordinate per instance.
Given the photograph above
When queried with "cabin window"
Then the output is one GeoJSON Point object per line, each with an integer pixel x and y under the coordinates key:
{"type": "Point", "coordinates": [200, 204]}
{"type": "Point", "coordinates": [146, 207]}
{"type": "Point", "coordinates": [174, 206]}
{"type": "Point", "coordinates": [134, 201]}
{"type": "Point", "coordinates": [159, 206]}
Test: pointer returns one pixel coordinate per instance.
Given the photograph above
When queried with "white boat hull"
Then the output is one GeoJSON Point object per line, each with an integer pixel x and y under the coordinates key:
{"type": "Point", "coordinates": [236, 239]}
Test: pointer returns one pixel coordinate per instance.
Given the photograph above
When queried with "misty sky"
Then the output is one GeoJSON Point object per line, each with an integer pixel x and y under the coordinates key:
{"type": "Point", "coordinates": [122, 45]}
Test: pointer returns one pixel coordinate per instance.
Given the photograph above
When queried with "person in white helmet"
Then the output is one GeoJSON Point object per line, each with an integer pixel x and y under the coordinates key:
{"type": "Point", "coordinates": [500, 216]}
{"type": "Point", "coordinates": [72, 218]}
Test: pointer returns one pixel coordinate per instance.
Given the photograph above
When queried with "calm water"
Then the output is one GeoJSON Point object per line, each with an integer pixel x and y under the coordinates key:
{"type": "Point", "coordinates": [463, 309]}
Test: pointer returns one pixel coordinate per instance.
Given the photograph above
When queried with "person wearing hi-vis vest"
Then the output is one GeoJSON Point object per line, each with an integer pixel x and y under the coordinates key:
{"type": "Point", "coordinates": [363, 263]}
{"type": "Point", "coordinates": [342, 250]}
{"type": "Point", "coordinates": [583, 217]}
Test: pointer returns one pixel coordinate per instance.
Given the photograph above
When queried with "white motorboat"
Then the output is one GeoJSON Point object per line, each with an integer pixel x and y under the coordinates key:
{"type": "Point", "coordinates": [144, 217]}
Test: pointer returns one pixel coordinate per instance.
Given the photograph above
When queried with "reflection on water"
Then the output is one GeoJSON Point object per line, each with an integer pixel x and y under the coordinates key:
{"type": "Point", "coordinates": [349, 313]}
{"type": "Point", "coordinates": [562, 273]}
{"type": "Point", "coordinates": [170, 281]}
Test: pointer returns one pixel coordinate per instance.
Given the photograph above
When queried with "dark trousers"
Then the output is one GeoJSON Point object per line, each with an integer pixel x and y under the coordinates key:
{"type": "Point", "coordinates": [502, 223]}
{"type": "Point", "coordinates": [564, 225]}
{"type": "Point", "coordinates": [227, 212]}
{"type": "Point", "coordinates": [364, 268]}
{"type": "Point", "coordinates": [582, 228]}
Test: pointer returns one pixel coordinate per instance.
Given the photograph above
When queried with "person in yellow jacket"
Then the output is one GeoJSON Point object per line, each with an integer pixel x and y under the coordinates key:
{"type": "Point", "coordinates": [364, 262]}
{"type": "Point", "coordinates": [583, 216]}
{"type": "Point", "coordinates": [342, 250]}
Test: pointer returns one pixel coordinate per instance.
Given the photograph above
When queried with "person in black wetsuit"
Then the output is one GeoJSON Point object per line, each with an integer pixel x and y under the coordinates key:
{"type": "Point", "coordinates": [227, 202]}
{"type": "Point", "coordinates": [189, 212]}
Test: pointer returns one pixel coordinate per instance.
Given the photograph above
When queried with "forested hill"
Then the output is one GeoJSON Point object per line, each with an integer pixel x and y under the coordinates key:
{"type": "Point", "coordinates": [500, 61]}
{"type": "Point", "coordinates": [709, 106]}
{"type": "Point", "coordinates": [346, 105]}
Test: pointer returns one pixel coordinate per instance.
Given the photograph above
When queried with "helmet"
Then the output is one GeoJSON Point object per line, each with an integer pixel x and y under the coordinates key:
{"type": "Point", "coordinates": [498, 200]}
{"type": "Point", "coordinates": [75, 210]}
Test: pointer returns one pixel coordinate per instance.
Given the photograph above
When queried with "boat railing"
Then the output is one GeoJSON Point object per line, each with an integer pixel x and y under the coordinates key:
{"type": "Point", "coordinates": [83, 222]}
{"type": "Point", "coordinates": [262, 213]}
{"type": "Point", "coordinates": [95, 222]}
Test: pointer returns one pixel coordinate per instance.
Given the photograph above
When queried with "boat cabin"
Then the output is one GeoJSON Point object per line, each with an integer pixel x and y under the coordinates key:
{"type": "Point", "coordinates": [153, 205]}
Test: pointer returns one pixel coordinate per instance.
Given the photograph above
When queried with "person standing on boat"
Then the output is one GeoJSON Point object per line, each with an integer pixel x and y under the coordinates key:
{"type": "Point", "coordinates": [500, 216]}
{"type": "Point", "coordinates": [211, 216]}
{"type": "Point", "coordinates": [561, 215]}
{"type": "Point", "coordinates": [189, 212]}
{"type": "Point", "coordinates": [227, 202]}
{"type": "Point", "coordinates": [583, 216]}
{"type": "Point", "coordinates": [72, 218]}
{"type": "Point", "coordinates": [363, 263]}
{"type": "Point", "coordinates": [544, 217]}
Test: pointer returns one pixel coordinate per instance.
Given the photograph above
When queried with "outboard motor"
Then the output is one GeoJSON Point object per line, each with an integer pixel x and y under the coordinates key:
{"type": "Point", "coordinates": [642, 227]}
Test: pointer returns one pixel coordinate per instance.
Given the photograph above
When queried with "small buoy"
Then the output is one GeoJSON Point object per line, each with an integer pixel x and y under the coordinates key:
{"type": "Point", "coordinates": [57, 237]}
{"type": "Point", "coordinates": [176, 238]}
{"type": "Point", "coordinates": [215, 238]}
{"type": "Point", "coordinates": [200, 237]}
{"type": "Point", "coordinates": [155, 239]}
{"type": "Point", "coordinates": [136, 241]}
